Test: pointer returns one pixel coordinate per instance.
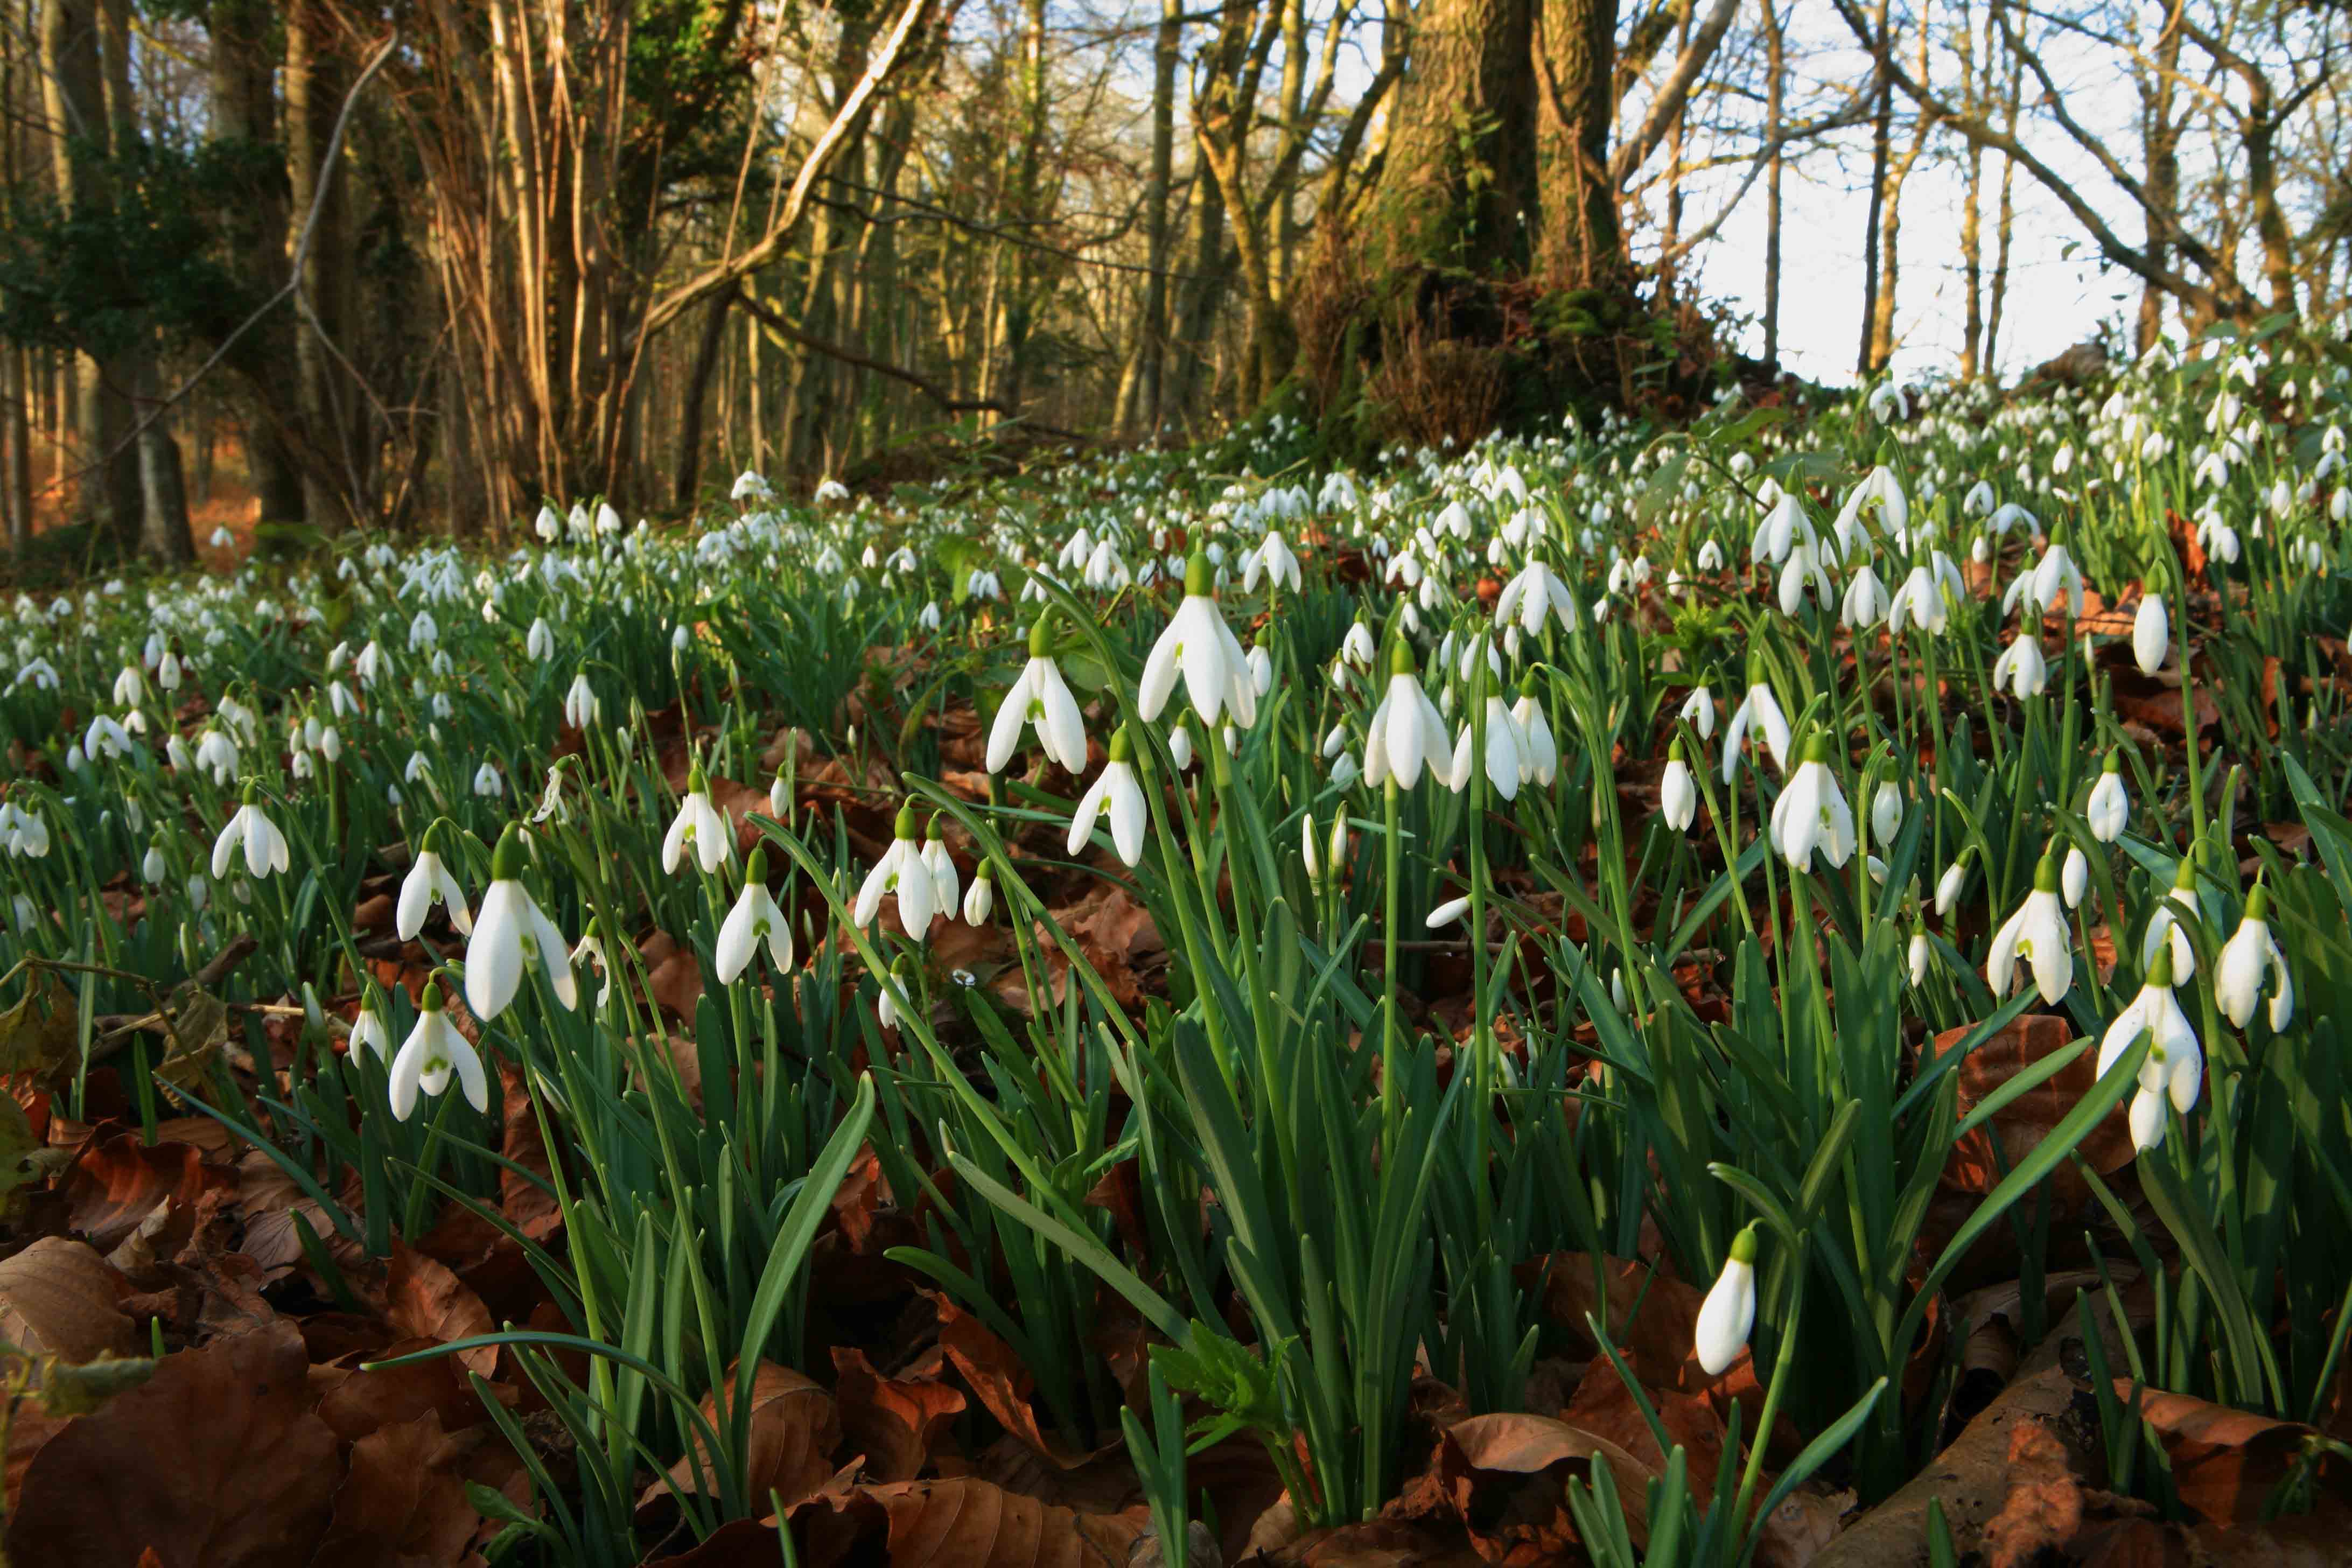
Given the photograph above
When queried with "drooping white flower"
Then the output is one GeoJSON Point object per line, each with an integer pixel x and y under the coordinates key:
{"type": "Point", "coordinates": [2164, 926]}
{"type": "Point", "coordinates": [980, 898]}
{"type": "Point", "coordinates": [2250, 956]}
{"type": "Point", "coordinates": [2174, 1067]}
{"type": "Point", "coordinates": [580, 705]}
{"type": "Point", "coordinates": [1918, 953]}
{"type": "Point", "coordinates": [1118, 794]}
{"type": "Point", "coordinates": [754, 922]}
{"type": "Point", "coordinates": [947, 888]}
{"type": "Point", "coordinates": [1528, 596]}
{"type": "Point", "coordinates": [2151, 633]}
{"type": "Point", "coordinates": [2036, 933]}
{"type": "Point", "coordinates": [1728, 1314]}
{"type": "Point", "coordinates": [1041, 698]}
{"type": "Point", "coordinates": [901, 871]}
{"type": "Point", "coordinates": [431, 1053]}
{"type": "Point", "coordinates": [1540, 752]}
{"type": "Point", "coordinates": [1273, 561]}
{"type": "Point", "coordinates": [1201, 648]}
{"type": "Point", "coordinates": [1699, 712]}
{"type": "Point", "coordinates": [1812, 811]}
{"type": "Point", "coordinates": [1677, 790]}
{"type": "Point", "coordinates": [1885, 812]}
{"type": "Point", "coordinates": [428, 882]}
{"type": "Point", "coordinates": [2021, 667]}
{"type": "Point", "coordinates": [1758, 713]}
{"type": "Point", "coordinates": [368, 1030]}
{"type": "Point", "coordinates": [510, 934]}
{"type": "Point", "coordinates": [2109, 810]}
{"type": "Point", "coordinates": [700, 825]}
{"type": "Point", "coordinates": [1446, 914]}
{"type": "Point", "coordinates": [2074, 876]}
{"type": "Point", "coordinates": [1406, 729]}
{"type": "Point", "coordinates": [250, 828]}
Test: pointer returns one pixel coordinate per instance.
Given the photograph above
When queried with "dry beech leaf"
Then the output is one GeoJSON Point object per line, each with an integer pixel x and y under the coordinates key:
{"type": "Point", "coordinates": [893, 1423]}
{"type": "Point", "coordinates": [116, 1183]}
{"type": "Point", "coordinates": [2021, 1125]}
{"type": "Point", "coordinates": [969, 1523]}
{"type": "Point", "coordinates": [57, 1297]}
{"type": "Point", "coordinates": [2044, 1508]}
{"type": "Point", "coordinates": [424, 1299]}
{"type": "Point", "coordinates": [216, 1462]}
{"type": "Point", "coordinates": [2226, 1462]}
{"type": "Point", "coordinates": [404, 1504]}
{"type": "Point", "coordinates": [1506, 1476]}
{"type": "Point", "coordinates": [794, 1428]}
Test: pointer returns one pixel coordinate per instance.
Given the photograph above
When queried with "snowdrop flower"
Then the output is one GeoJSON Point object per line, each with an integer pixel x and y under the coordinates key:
{"type": "Point", "coordinates": [1199, 646]}
{"type": "Point", "coordinates": [1699, 712]}
{"type": "Point", "coordinates": [2109, 809]}
{"type": "Point", "coordinates": [2022, 667]}
{"type": "Point", "coordinates": [26, 833]}
{"type": "Point", "coordinates": [1506, 762]}
{"type": "Point", "coordinates": [901, 871]}
{"type": "Point", "coordinates": [1758, 713]}
{"type": "Point", "coordinates": [2165, 922]}
{"type": "Point", "coordinates": [251, 829]}
{"type": "Point", "coordinates": [152, 870]}
{"type": "Point", "coordinates": [2174, 1067]}
{"type": "Point", "coordinates": [539, 642]}
{"type": "Point", "coordinates": [1538, 751]}
{"type": "Point", "coordinates": [1812, 811]}
{"type": "Point", "coordinates": [1118, 793]}
{"type": "Point", "coordinates": [1446, 914]}
{"type": "Point", "coordinates": [216, 754]}
{"type": "Point", "coordinates": [780, 796]}
{"type": "Point", "coordinates": [947, 888]}
{"type": "Point", "coordinates": [433, 1051]}
{"type": "Point", "coordinates": [487, 782]}
{"type": "Point", "coordinates": [698, 824]}
{"type": "Point", "coordinates": [1678, 791]}
{"type": "Point", "coordinates": [750, 486]}
{"type": "Point", "coordinates": [368, 1030]}
{"type": "Point", "coordinates": [980, 898]}
{"type": "Point", "coordinates": [1784, 526]}
{"type": "Point", "coordinates": [2036, 933]}
{"type": "Point", "coordinates": [590, 949]}
{"type": "Point", "coordinates": [2217, 537]}
{"type": "Point", "coordinates": [1887, 403]}
{"type": "Point", "coordinates": [754, 922]}
{"type": "Point", "coordinates": [429, 881]}
{"type": "Point", "coordinates": [1948, 886]}
{"type": "Point", "coordinates": [1261, 668]}
{"type": "Point", "coordinates": [1865, 603]}
{"type": "Point", "coordinates": [1728, 1314]}
{"type": "Point", "coordinates": [1528, 597]}
{"type": "Point", "coordinates": [1180, 748]}
{"type": "Point", "coordinates": [1918, 954]}
{"type": "Point", "coordinates": [2248, 958]}
{"type": "Point", "coordinates": [1273, 561]}
{"type": "Point", "coordinates": [2151, 633]}
{"type": "Point", "coordinates": [1919, 602]}
{"type": "Point", "coordinates": [509, 935]}
{"type": "Point", "coordinates": [1885, 812]}
{"type": "Point", "coordinates": [548, 525]}
{"type": "Point", "coordinates": [580, 705]}
{"type": "Point", "coordinates": [1406, 729]}
{"type": "Point", "coordinates": [2074, 876]}
{"type": "Point", "coordinates": [1041, 698]}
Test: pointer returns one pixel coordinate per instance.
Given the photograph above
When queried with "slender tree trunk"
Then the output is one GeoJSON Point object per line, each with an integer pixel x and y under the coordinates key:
{"type": "Point", "coordinates": [15, 452]}
{"type": "Point", "coordinates": [1167, 43]}
{"type": "Point", "coordinates": [1882, 152]}
{"type": "Point", "coordinates": [2001, 229]}
{"type": "Point", "coordinates": [687, 465]}
{"type": "Point", "coordinates": [313, 94]}
{"type": "Point", "coordinates": [2161, 141]}
{"type": "Point", "coordinates": [1972, 200]}
{"type": "Point", "coordinates": [1674, 231]}
{"type": "Point", "coordinates": [1890, 234]}
{"type": "Point", "coordinates": [1775, 85]}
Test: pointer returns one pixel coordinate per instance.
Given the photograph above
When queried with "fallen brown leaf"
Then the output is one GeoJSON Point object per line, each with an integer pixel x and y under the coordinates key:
{"type": "Point", "coordinates": [424, 1299]}
{"type": "Point", "coordinates": [216, 1462]}
{"type": "Point", "coordinates": [58, 1296]}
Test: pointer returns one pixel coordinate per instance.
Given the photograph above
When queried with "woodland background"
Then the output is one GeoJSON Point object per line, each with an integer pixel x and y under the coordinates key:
{"type": "Point", "coordinates": [427, 263]}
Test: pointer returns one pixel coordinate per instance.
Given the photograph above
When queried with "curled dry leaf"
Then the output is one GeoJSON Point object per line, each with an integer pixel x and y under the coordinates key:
{"type": "Point", "coordinates": [58, 1297]}
{"type": "Point", "coordinates": [894, 1422]}
{"type": "Point", "coordinates": [794, 1429]}
{"type": "Point", "coordinates": [1505, 1478]}
{"type": "Point", "coordinates": [404, 1504]}
{"type": "Point", "coordinates": [2043, 1509]}
{"type": "Point", "coordinates": [999, 1381]}
{"type": "Point", "coordinates": [118, 1182]}
{"type": "Point", "coordinates": [1974, 1165]}
{"type": "Point", "coordinates": [423, 1298]}
{"type": "Point", "coordinates": [218, 1461]}
{"type": "Point", "coordinates": [2225, 1462]}
{"type": "Point", "coordinates": [969, 1523]}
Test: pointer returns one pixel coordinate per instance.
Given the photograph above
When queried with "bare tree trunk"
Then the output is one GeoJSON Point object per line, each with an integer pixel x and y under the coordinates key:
{"type": "Point", "coordinates": [314, 80]}
{"type": "Point", "coordinates": [73, 94]}
{"type": "Point", "coordinates": [1972, 198]}
{"type": "Point", "coordinates": [1775, 86]}
{"type": "Point", "coordinates": [687, 465]}
{"type": "Point", "coordinates": [15, 452]}
{"type": "Point", "coordinates": [2002, 227]}
{"type": "Point", "coordinates": [1674, 232]}
{"type": "Point", "coordinates": [1882, 314]}
{"type": "Point", "coordinates": [244, 111]}
{"type": "Point", "coordinates": [1167, 43]}
{"type": "Point", "coordinates": [1882, 152]}
{"type": "Point", "coordinates": [2160, 137]}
